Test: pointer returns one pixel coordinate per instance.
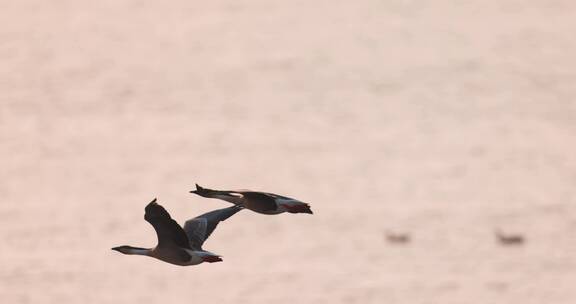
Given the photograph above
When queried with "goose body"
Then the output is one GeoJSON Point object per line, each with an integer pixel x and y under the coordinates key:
{"type": "Point", "coordinates": [260, 202]}
{"type": "Point", "coordinates": [180, 245]}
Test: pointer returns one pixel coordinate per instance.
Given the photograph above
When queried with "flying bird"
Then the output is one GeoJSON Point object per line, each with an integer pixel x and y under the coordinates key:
{"type": "Point", "coordinates": [261, 202]}
{"type": "Point", "coordinates": [177, 245]}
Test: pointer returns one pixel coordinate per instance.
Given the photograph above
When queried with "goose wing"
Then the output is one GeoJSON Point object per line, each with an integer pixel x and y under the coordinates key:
{"type": "Point", "coordinates": [201, 227]}
{"type": "Point", "coordinates": [168, 231]}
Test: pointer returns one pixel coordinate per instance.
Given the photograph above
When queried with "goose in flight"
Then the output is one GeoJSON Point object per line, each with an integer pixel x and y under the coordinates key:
{"type": "Point", "coordinates": [261, 202]}
{"type": "Point", "coordinates": [177, 245]}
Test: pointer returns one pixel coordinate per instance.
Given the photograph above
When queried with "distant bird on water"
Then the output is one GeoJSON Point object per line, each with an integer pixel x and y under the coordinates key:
{"type": "Point", "coordinates": [261, 202]}
{"type": "Point", "coordinates": [509, 239]}
{"type": "Point", "coordinates": [179, 246]}
{"type": "Point", "coordinates": [398, 238]}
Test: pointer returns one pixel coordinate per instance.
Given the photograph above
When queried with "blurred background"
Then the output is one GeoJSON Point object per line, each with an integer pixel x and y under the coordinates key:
{"type": "Point", "coordinates": [443, 120]}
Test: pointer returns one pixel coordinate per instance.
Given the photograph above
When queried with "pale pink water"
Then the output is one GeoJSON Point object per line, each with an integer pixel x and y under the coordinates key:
{"type": "Point", "coordinates": [445, 119]}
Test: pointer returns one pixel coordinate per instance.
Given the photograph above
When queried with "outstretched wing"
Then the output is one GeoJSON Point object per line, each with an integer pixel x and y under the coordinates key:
{"type": "Point", "coordinates": [168, 231]}
{"type": "Point", "coordinates": [201, 227]}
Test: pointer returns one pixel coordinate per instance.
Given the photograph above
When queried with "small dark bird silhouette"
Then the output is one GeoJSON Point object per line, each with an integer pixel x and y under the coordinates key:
{"type": "Point", "coordinates": [509, 239]}
{"type": "Point", "coordinates": [397, 238]}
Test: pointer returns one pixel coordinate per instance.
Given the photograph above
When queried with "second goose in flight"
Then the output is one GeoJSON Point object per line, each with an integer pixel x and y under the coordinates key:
{"type": "Point", "coordinates": [261, 202]}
